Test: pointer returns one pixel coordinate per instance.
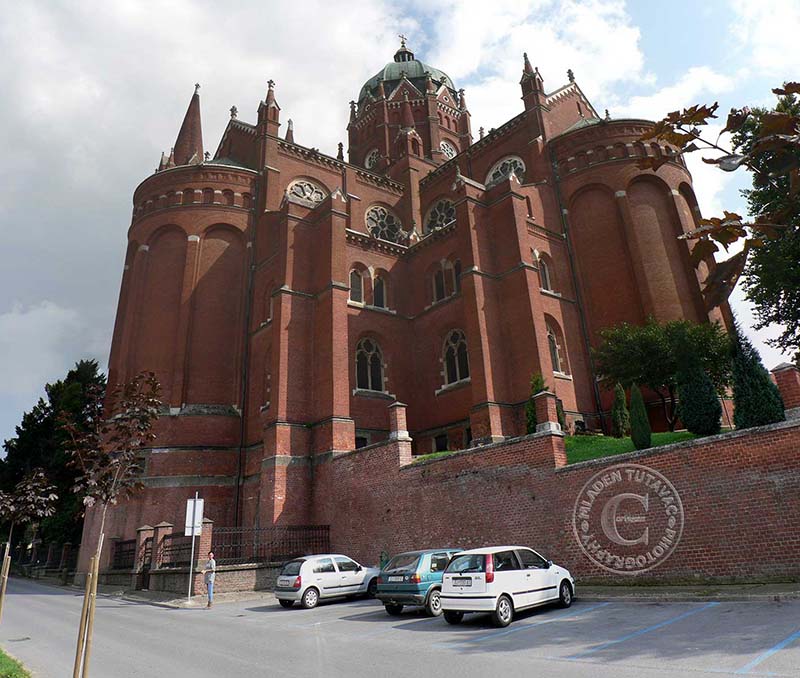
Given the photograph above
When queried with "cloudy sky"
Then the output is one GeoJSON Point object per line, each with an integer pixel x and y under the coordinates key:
{"type": "Point", "coordinates": [94, 90]}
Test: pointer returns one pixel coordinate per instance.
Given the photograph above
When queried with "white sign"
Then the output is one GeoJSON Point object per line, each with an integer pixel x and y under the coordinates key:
{"type": "Point", "coordinates": [194, 509]}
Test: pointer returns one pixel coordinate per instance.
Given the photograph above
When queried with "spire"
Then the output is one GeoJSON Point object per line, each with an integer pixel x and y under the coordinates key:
{"type": "Point", "coordinates": [270, 100]}
{"type": "Point", "coordinates": [234, 112]}
{"type": "Point", "coordinates": [570, 75]}
{"type": "Point", "coordinates": [407, 118]}
{"type": "Point", "coordinates": [429, 87]}
{"type": "Point", "coordinates": [352, 111]}
{"type": "Point", "coordinates": [290, 131]}
{"type": "Point", "coordinates": [462, 100]}
{"type": "Point", "coordinates": [340, 153]}
{"type": "Point", "coordinates": [381, 91]}
{"type": "Point", "coordinates": [527, 67]}
{"type": "Point", "coordinates": [189, 143]}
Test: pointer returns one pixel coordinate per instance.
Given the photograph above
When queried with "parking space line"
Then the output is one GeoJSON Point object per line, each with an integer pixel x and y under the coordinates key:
{"type": "Point", "coordinates": [768, 653]}
{"type": "Point", "coordinates": [641, 632]}
{"type": "Point", "coordinates": [525, 627]}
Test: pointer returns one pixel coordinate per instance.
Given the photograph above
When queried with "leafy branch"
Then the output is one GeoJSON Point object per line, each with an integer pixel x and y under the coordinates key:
{"type": "Point", "coordinates": [773, 155]}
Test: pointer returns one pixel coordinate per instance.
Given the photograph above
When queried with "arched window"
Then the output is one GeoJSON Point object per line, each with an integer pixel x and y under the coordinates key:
{"type": "Point", "coordinates": [270, 304]}
{"type": "Point", "coordinates": [456, 361]}
{"type": "Point", "coordinates": [457, 276]}
{"type": "Point", "coordinates": [227, 198]}
{"type": "Point", "coordinates": [558, 354]}
{"type": "Point", "coordinates": [208, 195]}
{"type": "Point", "coordinates": [439, 292]}
{"type": "Point", "coordinates": [383, 224]}
{"type": "Point", "coordinates": [369, 366]}
{"type": "Point", "coordinates": [379, 292]}
{"type": "Point", "coordinates": [448, 150]}
{"type": "Point", "coordinates": [503, 168]}
{"type": "Point", "coordinates": [443, 213]}
{"type": "Point", "coordinates": [544, 275]}
{"type": "Point", "coordinates": [356, 286]}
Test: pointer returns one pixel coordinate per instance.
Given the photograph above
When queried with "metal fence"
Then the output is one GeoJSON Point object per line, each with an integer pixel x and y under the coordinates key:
{"type": "Point", "coordinates": [176, 550]}
{"type": "Point", "coordinates": [239, 545]}
{"type": "Point", "coordinates": [124, 555]}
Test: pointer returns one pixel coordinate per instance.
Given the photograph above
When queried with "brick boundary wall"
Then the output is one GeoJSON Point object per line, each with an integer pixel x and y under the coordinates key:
{"type": "Point", "coordinates": [740, 492]}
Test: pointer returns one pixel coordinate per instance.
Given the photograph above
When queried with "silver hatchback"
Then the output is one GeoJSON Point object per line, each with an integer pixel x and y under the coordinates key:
{"type": "Point", "coordinates": [331, 575]}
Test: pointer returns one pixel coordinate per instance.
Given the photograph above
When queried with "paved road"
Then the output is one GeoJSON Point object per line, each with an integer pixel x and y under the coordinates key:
{"type": "Point", "coordinates": [355, 639]}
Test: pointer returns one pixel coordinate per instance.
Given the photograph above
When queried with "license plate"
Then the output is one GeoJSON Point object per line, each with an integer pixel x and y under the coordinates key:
{"type": "Point", "coordinates": [284, 581]}
{"type": "Point", "coordinates": [400, 578]}
{"type": "Point", "coordinates": [462, 581]}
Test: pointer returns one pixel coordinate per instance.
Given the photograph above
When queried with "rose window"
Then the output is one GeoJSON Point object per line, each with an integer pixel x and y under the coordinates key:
{"type": "Point", "coordinates": [381, 223]}
{"type": "Point", "coordinates": [504, 168]}
{"type": "Point", "coordinates": [440, 215]}
{"type": "Point", "coordinates": [306, 192]}
{"type": "Point", "coordinates": [448, 150]}
{"type": "Point", "coordinates": [372, 158]}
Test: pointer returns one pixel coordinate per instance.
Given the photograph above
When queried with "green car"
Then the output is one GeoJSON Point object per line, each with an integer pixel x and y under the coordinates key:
{"type": "Point", "coordinates": [414, 579]}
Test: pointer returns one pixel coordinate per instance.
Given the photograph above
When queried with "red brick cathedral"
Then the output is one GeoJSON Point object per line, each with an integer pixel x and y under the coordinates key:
{"type": "Point", "coordinates": [286, 298]}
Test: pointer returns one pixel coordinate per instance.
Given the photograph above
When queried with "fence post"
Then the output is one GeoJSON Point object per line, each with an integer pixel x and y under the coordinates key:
{"type": "Point", "coordinates": [51, 555]}
{"type": "Point", "coordinates": [159, 532]}
{"type": "Point", "coordinates": [64, 562]}
{"type": "Point", "coordinates": [787, 377]}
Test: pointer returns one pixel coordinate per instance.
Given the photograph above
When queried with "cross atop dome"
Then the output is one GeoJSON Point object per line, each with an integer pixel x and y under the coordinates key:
{"type": "Point", "coordinates": [403, 54]}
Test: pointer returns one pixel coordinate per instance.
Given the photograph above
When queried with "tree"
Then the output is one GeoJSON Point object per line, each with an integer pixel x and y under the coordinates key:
{"type": "Point", "coordinates": [756, 398]}
{"type": "Point", "coordinates": [32, 500]}
{"type": "Point", "coordinates": [652, 354]}
{"type": "Point", "coordinates": [104, 440]}
{"type": "Point", "coordinates": [537, 386]}
{"type": "Point", "coordinates": [40, 442]}
{"type": "Point", "coordinates": [698, 405]}
{"type": "Point", "coordinates": [620, 417]}
{"type": "Point", "coordinates": [771, 154]}
{"type": "Point", "coordinates": [772, 276]}
{"type": "Point", "coordinates": [640, 424]}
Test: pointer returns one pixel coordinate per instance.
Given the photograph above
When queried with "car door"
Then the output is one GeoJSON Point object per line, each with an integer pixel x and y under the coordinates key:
{"type": "Point", "coordinates": [351, 575]}
{"type": "Point", "coordinates": [509, 576]}
{"type": "Point", "coordinates": [539, 584]}
{"type": "Point", "coordinates": [325, 577]}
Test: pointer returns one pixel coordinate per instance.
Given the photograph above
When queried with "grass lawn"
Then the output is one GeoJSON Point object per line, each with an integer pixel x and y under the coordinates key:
{"type": "Point", "coordinates": [11, 668]}
{"type": "Point", "coordinates": [425, 457]}
{"type": "Point", "coordinates": [581, 448]}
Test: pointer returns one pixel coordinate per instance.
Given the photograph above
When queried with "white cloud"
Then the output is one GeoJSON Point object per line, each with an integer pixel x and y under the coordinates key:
{"type": "Point", "coordinates": [765, 33]}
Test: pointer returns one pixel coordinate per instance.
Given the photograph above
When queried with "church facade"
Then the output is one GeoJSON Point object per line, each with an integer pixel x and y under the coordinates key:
{"type": "Point", "coordinates": [285, 298]}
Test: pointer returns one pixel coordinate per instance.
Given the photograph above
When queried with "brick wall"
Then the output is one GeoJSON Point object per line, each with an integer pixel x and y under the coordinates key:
{"type": "Point", "coordinates": [740, 493]}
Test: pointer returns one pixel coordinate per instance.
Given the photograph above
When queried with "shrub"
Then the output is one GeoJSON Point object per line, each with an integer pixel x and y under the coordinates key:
{"type": "Point", "coordinates": [537, 386]}
{"type": "Point", "coordinates": [562, 419]}
{"type": "Point", "coordinates": [756, 399]}
{"type": "Point", "coordinates": [640, 424]}
{"type": "Point", "coordinates": [698, 408]}
{"type": "Point", "coordinates": [620, 417]}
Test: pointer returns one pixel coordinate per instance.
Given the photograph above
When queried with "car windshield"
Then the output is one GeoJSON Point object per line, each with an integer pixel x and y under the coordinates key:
{"type": "Point", "coordinates": [469, 562]}
{"type": "Point", "coordinates": [404, 561]}
{"type": "Point", "coordinates": [292, 568]}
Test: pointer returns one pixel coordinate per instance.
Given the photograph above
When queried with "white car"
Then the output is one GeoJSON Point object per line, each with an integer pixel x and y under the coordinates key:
{"type": "Point", "coordinates": [330, 575]}
{"type": "Point", "coordinates": [502, 580]}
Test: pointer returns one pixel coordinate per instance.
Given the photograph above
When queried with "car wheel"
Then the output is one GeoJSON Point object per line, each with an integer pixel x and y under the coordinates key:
{"type": "Point", "coordinates": [393, 609]}
{"type": "Point", "coordinates": [434, 605]}
{"type": "Point", "coordinates": [286, 603]}
{"type": "Point", "coordinates": [565, 594]}
{"type": "Point", "coordinates": [372, 588]}
{"type": "Point", "coordinates": [453, 616]}
{"type": "Point", "coordinates": [310, 598]}
{"type": "Point", "coordinates": [503, 613]}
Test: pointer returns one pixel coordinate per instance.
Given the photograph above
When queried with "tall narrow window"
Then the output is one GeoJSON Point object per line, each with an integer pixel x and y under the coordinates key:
{"type": "Point", "coordinates": [544, 274]}
{"type": "Point", "coordinates": [379, 292]}
{"type": "Point", "coordinates": [457, 276]}
{"type": "Point", "coordinates": [558, 355]}
{"type": "Point", "coordinates": [356, 286]}
{"type": "Point", "coordinates": [438, 285]}
{"type": "Point", "coordinates": [456, 360]}
{"type": "Point", "coordinates": [369, 366]}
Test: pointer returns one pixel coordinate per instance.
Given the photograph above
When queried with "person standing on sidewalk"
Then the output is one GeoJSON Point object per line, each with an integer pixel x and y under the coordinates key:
{"type": "Point", "coordinates": [209, 574]}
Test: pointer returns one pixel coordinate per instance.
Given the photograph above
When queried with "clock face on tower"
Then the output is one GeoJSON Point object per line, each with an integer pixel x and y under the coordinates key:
{"type": "Point", "coordinates": [448, 150]}
{"type": "Point", "coordinates": [371, 158]}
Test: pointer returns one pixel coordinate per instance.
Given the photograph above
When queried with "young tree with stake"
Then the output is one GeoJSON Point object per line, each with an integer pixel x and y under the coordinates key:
{"type": "Point", "coordinates": [104, 441]}
{"type": "Point", "coordinates": [32, 500]}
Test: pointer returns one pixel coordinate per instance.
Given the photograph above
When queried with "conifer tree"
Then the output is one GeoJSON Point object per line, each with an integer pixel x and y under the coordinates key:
{"type": "Point", "coordinates": [698, 408]}
{"type": "Point", "coordinates": [640, 424]}
{"type": "Point", "coordinates": [756, 398]}
{"type": "Point", "coordinates": [620, 417]}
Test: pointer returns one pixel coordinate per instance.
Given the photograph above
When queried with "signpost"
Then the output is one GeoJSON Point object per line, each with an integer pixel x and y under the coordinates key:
{"type": "Point", "coordinates": [194, 526]}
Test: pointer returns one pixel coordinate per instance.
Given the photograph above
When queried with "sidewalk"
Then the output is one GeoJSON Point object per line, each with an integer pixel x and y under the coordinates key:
{"type": "Point", "coordinates": [676, 594]}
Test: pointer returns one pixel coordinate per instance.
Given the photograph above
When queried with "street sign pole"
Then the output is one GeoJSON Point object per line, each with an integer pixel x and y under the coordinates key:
{"type": "Point", "coordinates": [191, 559]}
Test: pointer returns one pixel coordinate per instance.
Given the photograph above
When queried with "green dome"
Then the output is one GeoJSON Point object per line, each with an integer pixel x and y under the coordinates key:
{"type": "Point", "coordinates": [415, 71]}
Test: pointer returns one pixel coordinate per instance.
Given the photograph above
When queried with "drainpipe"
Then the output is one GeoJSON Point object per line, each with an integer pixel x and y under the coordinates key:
{"type": "Point", "coordinates": [578, 298]}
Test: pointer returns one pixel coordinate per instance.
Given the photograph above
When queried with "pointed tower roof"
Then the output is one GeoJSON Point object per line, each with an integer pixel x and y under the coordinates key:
{"type": "Point", "coordinates": [189, 143]}
{"type": "Point", "coordinates": [406, 116]}
{"type": "Point", "coordinates": [290, 132]}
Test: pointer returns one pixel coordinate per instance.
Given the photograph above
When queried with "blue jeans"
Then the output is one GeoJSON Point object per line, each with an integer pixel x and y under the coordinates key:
{"type": "Point", "coordinates": [210, 587]}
